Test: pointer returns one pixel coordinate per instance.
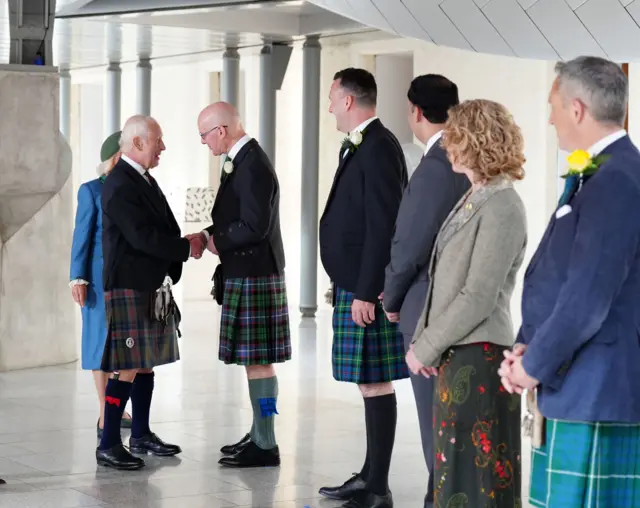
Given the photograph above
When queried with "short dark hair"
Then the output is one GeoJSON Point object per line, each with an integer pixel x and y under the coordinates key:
{"type": "Point", "coordinates": [434, 95]}
{"type": "Point", "coordinates": [360, 83]}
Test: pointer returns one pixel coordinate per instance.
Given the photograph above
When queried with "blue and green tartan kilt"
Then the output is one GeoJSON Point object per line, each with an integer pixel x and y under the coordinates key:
{"type": "Point", "coordinates": [136, 340]}
{"type": "Point", "coordinates": [587, 465]}
{"type": "Point", "coordinates": [374, 354]}
{"type": "Point", "coordinates": [254, 326]}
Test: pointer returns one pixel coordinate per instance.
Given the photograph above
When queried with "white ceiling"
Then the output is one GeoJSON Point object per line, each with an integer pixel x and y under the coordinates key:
{"type": "Point", "coordinates": [541, 29]}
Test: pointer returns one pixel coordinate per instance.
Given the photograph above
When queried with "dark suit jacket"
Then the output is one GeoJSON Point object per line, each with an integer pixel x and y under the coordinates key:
{"type": "Point", "coordinates": [357, 224]}
{"type": "Point", "coordinates": [581, 299]}
{"type": "Point", "coordinates": [140, 236]}
{"type": "Point", "coordinates": [433, 191]}
{"type": "Point", "coordinates": [246, 217]}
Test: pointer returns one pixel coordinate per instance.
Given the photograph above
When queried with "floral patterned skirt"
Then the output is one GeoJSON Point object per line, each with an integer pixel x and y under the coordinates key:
{"type": "Point", "coordinates": [477, 432]}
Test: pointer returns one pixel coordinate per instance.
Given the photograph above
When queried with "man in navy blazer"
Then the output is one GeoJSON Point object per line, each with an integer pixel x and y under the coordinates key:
{"type": "Point", "coordinates": [579, 342]}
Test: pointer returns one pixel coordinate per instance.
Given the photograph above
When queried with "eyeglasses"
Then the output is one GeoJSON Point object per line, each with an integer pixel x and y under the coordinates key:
{"type": "Point", "coordinates": [204, 134]}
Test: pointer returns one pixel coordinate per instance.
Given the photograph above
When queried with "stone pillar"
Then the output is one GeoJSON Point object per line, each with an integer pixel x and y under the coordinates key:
{"type": "Point", "coordinates": [143, 85]}
{"type": "Point", "coordinates": [113, 80]}
{"type": "Point", "coordinates": [274, 59]}
{"type": "Point", "coordinates": [65, 103]}
{"type": "Point", "coordinates": [309, 195]}
{"type": "Point", "coordinates": [230, 86]}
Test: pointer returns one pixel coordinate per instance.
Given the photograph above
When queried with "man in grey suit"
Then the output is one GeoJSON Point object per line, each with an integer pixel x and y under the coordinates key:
{"type": "Point", "coordinates": [433, 191]}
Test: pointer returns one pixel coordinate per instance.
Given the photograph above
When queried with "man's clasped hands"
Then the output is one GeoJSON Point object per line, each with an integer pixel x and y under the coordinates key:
{"type": "Point", "coordinates": [199, 244]}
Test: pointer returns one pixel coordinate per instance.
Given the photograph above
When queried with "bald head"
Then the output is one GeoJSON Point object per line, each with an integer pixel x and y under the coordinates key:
{"type": "Point", "coordinates": [220, 127]}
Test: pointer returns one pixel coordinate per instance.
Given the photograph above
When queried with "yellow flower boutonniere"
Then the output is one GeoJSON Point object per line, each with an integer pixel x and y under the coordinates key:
{"type": "Point", "coordinates": [582, 164]}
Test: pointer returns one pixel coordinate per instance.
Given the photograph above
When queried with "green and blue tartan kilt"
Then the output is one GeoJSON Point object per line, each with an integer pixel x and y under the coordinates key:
{"type": "Point", "coordinates": [587, 465]}
{"type": "Point", "coordinates": [374, 354]}
{"type": "Point", "coordinates": [254, 326]}
{"type": "Point", "coordinates": [135, 339]}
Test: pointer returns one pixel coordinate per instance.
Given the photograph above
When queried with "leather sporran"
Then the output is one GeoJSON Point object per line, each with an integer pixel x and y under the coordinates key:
{"type": "Point", "coordinates": [534, 424]}
{"type": "Point", "coordinates": [165, 306]}
{"type": "Point", "coordinates": [217, 291]}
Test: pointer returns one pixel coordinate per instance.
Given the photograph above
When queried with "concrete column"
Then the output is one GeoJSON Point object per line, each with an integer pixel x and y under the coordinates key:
{"type": "Point", "coordinates": [143, 86]}
{"type": "Point", "coordinates": [230, 86]}
{"type": "Point", "coordinates": [274, 60]}
{"type": "Point", "coordinates": [309, 195]}
{"type": "Point", "coordinates": [112, 98]}
{"type": "Point", "coordinates": [267, 115]}
{"type": "Point", "coordinates": [65, 103]}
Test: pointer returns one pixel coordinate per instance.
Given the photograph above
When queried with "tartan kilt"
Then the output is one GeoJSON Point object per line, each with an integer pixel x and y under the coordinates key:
{"type": "Point", "coordinates": [585, 465]}
{"type": "Point", "coordinates": [254, 325]}
{"type": "Point", "coordinates": [374, 354]}
{"type": "Point", "coordinates": [135, 340]}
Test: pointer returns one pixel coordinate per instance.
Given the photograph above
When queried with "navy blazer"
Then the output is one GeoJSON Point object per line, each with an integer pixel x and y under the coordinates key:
{"type": "Point", "coordinates": [581, 299]}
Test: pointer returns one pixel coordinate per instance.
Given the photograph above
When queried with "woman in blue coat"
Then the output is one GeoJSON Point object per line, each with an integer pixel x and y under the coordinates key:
{"type": "Point", "coordinates": [86, 272]}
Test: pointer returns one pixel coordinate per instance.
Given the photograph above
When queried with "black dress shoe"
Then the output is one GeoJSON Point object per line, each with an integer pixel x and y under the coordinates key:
{"type": "Point", "coordinates": [366, 499]}
{"type": "Point", "coordinates": [153, 445]}
{"type": "Point", "coordinates": [232, 449]}
{"type": "Point", "coordinates": [118, 458]}
{"type": "Point", "coordinates": [2, 482]}
{"type": "Point", "coordinates": [344, 491]}
{"type": "Point", "coordinates": [252, 456]}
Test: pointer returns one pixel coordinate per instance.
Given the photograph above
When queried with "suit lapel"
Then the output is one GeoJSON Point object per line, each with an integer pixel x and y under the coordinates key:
{"type": "Point", "coordinates": [152, 196]}
{"type": "Point", "coordinates": [237, 161]}
{"type": "Point", "coordinates": [466, 209]}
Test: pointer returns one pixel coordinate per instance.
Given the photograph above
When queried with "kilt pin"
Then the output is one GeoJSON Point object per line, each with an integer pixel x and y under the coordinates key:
{"type": "Point", "coordinates": [254, 324]}
{"type": "Point", "coordinates": [374, 354]}
{"type": "Point", "coordinates": [135, 340]}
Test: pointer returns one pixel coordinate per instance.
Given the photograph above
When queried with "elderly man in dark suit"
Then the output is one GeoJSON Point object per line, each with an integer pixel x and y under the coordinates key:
{"type": "Point", "coordinates": [142, 246]}
{"type": "Point", "coordinates": [578, 344]}
{"type": "Point", "coordinates": [355, 236]}
{"type": "Point", "coordinates": [254, 327]}
{"type": "Point", "coordinates": [433, 191]}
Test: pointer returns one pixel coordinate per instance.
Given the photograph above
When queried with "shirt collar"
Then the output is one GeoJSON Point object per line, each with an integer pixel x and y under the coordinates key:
{"type": "Point", "coordinates": [432, 141]}
{"type": "Point", "coordinates": [235, 149]}
{"type": "Point", "coordinates": [364, 124]}
{"type": "Point", "coordinates": [134, 164]}
{"type": "Point", "coordinates": [598, 147]}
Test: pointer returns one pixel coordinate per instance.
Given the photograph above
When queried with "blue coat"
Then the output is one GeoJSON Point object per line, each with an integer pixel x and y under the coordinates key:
{"type": "Point", "coordinates": [86, 263]}
{"type": "Point", "coordinates": [581, 299]}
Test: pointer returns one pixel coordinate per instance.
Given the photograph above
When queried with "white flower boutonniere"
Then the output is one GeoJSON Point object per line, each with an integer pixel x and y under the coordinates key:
{"type": "Point", "coordinates": [356, 138]}
{"type": "Point", "coordinates": [228, 167]}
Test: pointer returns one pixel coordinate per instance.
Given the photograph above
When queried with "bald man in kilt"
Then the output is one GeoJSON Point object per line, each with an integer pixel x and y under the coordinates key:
{"type": "Point", "coordinates": [141, 247]}
{"type": "Point", "coordinates": [254, 327]}
{"type": "Point", "coordinates": [355, 241]}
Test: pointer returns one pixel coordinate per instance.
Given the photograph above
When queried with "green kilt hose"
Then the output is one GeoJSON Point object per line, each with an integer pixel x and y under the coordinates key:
{"type": "Point", "coordinates": [135, 339]}
{"type": "Point", "coordinates": [587, 465]}
{"type": "Point", "coordinates": [254, 326]}
{"type": "Point", "coordinates": [374, 354]}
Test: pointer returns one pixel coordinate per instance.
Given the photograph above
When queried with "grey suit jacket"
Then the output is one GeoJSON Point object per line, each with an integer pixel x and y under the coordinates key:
{"type": "Point", "coordinates": [473, 271]}
{"type": "Point", "coordinates": [433, 191]}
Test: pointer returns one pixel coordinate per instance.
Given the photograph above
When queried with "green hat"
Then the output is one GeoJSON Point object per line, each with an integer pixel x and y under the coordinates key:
{"type": "Point", "coordinates": [111, 146]}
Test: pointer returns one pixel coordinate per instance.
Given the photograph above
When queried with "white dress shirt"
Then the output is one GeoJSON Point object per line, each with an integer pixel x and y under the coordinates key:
{"type": "Point", "coordinates": [360, 128]}
{"type": "Point", "coordinates": [432, 141]}
{"type": "Point", "coordinates": [136, 166]}
{"type": "Point", "coordinates": [598, 147]}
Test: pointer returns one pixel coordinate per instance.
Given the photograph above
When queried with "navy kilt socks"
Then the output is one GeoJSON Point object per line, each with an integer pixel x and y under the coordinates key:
{"type": "Point", "coordinates": [141, 394]}
{"type": "Point", "coordinates": [116, 397]}
{"type": "Point", "coordinates": [383, 415]}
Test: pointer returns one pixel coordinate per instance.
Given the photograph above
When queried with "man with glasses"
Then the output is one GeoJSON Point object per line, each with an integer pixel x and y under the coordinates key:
{"type": "Point", "coordinates": [254, 327]}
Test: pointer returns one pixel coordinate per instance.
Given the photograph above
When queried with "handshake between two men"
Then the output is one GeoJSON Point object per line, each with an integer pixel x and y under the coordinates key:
{"type": "Point", "coordinates": [199, 243]}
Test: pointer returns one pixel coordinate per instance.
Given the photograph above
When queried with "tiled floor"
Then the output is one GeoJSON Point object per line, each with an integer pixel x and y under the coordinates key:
{"type": "Point", "coordinates": [47, 432]}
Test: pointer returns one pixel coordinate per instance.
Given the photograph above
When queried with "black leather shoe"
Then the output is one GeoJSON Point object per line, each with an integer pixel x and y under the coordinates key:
{"type": "Point", "coordinates": [366, 499]}
{"type": "Point", "coordinates": [344, 491]}
{"type": "Point", "coordinates": [232, 449]}
{"type": "Point", "coordinates": [153, 445]}
{"type": "Point", "coordinates": [2, 482]}
{"type": "Point", "coordinates": [252, 456]}
{"type": "Point", "coordinates": [118, 458]}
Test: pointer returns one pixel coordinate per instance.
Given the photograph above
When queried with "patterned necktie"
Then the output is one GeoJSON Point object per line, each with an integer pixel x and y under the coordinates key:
{"type": "Point", "coordinates": [571, 185]}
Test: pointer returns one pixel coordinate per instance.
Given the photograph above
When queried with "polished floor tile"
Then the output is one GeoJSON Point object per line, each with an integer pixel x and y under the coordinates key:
{"type": "Point", "coordinates": [48, 437]}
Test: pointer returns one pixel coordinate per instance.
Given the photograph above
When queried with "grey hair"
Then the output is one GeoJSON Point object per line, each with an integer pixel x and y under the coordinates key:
{"type": "Point", "coordinates": [138, 126]}
{"type": "Point", "coordinates": [105, 166]}
{"type": "Point", "coordinates": [599, 84]}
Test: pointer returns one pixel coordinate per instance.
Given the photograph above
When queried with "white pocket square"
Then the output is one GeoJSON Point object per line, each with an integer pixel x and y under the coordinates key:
{"type": "Point", "coordinates": [563, 210]}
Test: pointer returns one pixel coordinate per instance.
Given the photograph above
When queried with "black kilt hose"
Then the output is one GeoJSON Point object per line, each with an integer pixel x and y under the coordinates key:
{"type": "Point", "coordinates": [136, 340]}
{"type": "Point", "coordinates": [254, 324]}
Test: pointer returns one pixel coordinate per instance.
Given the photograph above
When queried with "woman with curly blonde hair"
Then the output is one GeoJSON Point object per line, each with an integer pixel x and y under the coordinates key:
{"type": "Point", "coordinates": [466, 323]}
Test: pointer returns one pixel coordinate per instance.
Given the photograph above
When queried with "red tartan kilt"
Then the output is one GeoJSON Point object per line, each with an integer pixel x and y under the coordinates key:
{"type": "Point", "coordinates": [254, 324]}
{"type": "Point", "coordinates": [134, 339]}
